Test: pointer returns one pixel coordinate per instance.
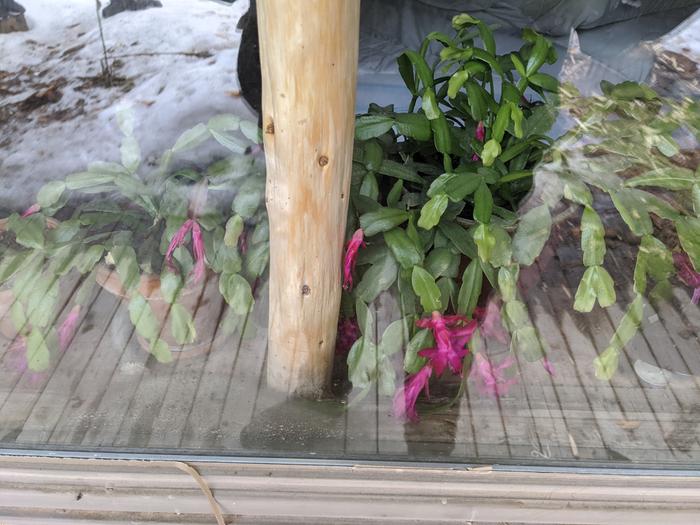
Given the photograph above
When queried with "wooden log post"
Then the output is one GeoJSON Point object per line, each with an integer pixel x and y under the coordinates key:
{"type": "Point", "coordinates": [309, 52]}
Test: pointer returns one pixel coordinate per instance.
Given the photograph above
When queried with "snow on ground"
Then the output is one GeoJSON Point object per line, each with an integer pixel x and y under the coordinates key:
{"type": "Point", "coordinates": [177, 67]}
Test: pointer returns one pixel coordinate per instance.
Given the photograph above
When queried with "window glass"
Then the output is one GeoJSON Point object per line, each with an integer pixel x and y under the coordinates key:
{"type": "Point", "coordinates": [500, 263]}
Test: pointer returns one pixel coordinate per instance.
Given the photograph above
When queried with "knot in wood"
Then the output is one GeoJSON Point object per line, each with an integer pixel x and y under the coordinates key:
{"type": "Point", "coordinates": [323, 161]}
{"type": "Point", "coordinates": [305, 290]}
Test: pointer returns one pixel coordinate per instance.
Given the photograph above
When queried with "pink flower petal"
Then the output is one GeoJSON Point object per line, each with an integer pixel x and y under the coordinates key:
{"type": "Point", "coordinates": [490, 380]}
{"type": "Point", "coordinates": [66, 331]}
{"type": "Point", "coordinates": [490, 322]}
{"type": "Point", "coordinates": [406, 397]}
{"type": "Point", "coordinates": [548, 366]}
{"type": "Point", "coordinates": [450, 341]}
{"type": "Point", "coordinates": [350, 260]}
{"type": "Point", "coordinates": [178, 239]}
{"type": "Point", "coordinates": [480, 132]}
{"type": "Point", "coordinates": [34, 208]}
{"type": "Point", "coordinates": [198, 245]}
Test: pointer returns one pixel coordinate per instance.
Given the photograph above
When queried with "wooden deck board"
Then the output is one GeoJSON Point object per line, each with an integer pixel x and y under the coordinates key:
{"type": "Point", "coordinates": [244, 380]}
{"type": "Point", "coordinates": [137, 426]}
{"type": "Point", "coordinates": [106, 391]}
{"type": "Point", "coordinates": [583, 437]}
{"type": "Point", "coordinates": [54, 397]}
{"type": "Point", "coordinates": [27, 386]}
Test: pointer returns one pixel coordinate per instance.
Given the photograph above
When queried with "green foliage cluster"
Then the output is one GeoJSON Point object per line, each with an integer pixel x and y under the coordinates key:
{"type": "Point", "coordinates": [123, 216]}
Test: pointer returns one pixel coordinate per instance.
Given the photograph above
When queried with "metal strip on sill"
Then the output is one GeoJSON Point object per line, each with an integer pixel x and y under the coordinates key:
{"type": "Point", "coordinates": [253, 460]}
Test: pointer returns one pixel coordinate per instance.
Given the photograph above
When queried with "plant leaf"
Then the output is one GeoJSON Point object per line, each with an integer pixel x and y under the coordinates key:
{"type": "Point", "coordinates": [404, 249]}
{"type": "Point", "coordinates": [371, 126]}
{"type": "Point", "coordinates": [378, 278]}
{"type": "Point", "coordinates": [236, 292]}
{"type": "Point", "coordinates": [426, 289]}
{"type": "Point", "coordinates": [38, 356]}
{"type": "Point", "coordinates": [606, 364]}
{"type": "Point", "coordinates": [490, 153]}
{"type": "Point", "coordinates": [382, 220]}
{"type": "Point", "coordinates": [399, 171]}
{"type": "Point", "coordinates": [412, 362]}
{"type": "Point", "coordinates": [130, 154]}
{"type": "Point", "coordinates": [142, 317]}
{"type": "Point", "coordinates": [182, 325]}
{"type": "Point", "coordinates": [432, 211]}
{"type": "Point", "coordinates": [460, 238]}
{"type": "Point", "coordinates": [50, 193]}
{"type": "Point", "coordinates": [592, 238]}
{"type": "Point", "coordinates": [688, 229]}
{"type": "Point", "coordinates": [532, 234]}
{"type": "Point", "coordinates": [161, 351]}
{"type": "Point", "coordinates": [470, 291]}
{"type": "Point", "coordinates": [414, 125]}
{"type": "Point", "coordinates": [394, 338]}
{"type": "Point", "coordinates": [191, 138]}
{"type": "Point", "coordinates": [670, 178]}
{"type": "Point", "coordinates": [483, 204]}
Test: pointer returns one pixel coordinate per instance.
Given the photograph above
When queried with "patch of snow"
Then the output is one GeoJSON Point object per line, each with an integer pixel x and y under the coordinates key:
{"type": "Point", "coordinates": [179, 66]}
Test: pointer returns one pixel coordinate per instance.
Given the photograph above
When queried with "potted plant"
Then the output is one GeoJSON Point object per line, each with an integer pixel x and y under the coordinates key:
{"type": "Point", "coordinates": [435, 196]}
{"type": "Point", "coordinates": [153, 239]}
{"type": "Point", "coordinates": [438, 195]}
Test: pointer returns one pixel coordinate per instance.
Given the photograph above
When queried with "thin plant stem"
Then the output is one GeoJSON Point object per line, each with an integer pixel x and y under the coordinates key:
{"type": "Point", "coordinates": [106, 70]}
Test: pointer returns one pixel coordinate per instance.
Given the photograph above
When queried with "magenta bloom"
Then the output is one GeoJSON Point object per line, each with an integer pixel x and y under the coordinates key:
{"type": "Point", "coordinates": [450, 341]}
{"type": "Point", "coordinates": [348, 333]}
{"type": "Point", "coordinates": [687, 274]}
{"type": "Point", "coordinates": [548, 366]}
{"type": "Point", "coordinates": [34, 208]}
{"type": "Point", "coordinates": [490, 379]}
{"type": "Point", "coordinates": [356, 241]}
{"type": "Point", "coordinates": [198, 246]}
{"type": "Point", "coordinates": [66, 331]}
{"type": "Point", "coordinates": [490, 324]}
{"type": "Point", "coordinates": [406, 397]}
{"type": "Point", "coordinates": [480, 132]}
{"type": "Point", "coordinates": [480, 135]}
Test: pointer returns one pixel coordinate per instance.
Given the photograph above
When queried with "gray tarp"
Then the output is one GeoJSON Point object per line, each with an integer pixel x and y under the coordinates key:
{"type": "Point", "coordinates": [610, 33]}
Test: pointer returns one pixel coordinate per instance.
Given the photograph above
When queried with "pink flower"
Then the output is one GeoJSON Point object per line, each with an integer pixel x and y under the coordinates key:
{"type": "Point", "coordinates": [480, 135]}
{"type": "Point", "coordinates": [34, 208]}
{"type": "Point", "coordinates": [548, 366]}
{"type": "Point", "coordinates": [406, 397]}
{"type": "Point", "coordinates": [66, 331]}
{"type": "Point", "coordinates": [490, 379]}
{"type": "Point", "coordinates": [348, 333]}
{"type": "Point", "coordinates": [178, 239]}
{"type": "Point", "coordinates": [198, 246]}
{"type": "Point", "coordinates": [480, 132]}
{"type": "Point", "coordinates": [356, 241]}
{"type": "Point", "coordinates": [687, 274]}
{"type": "Point", "coordinates": [490, 324]}
{"type": "Point", "coordinates": [450, 341]}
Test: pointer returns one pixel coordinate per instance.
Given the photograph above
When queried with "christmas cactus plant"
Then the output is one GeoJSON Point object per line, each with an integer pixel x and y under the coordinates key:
{"type": "Point", "coordinates": [150, 234]}
{"type": "Point", "coordinates": [625, 148]}
{"type": "Point", "coordinates": [435, 192]}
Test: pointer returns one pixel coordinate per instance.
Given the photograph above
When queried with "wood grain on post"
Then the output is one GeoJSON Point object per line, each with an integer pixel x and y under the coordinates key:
{"type": "Point", "coordinates": [309, 51]}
